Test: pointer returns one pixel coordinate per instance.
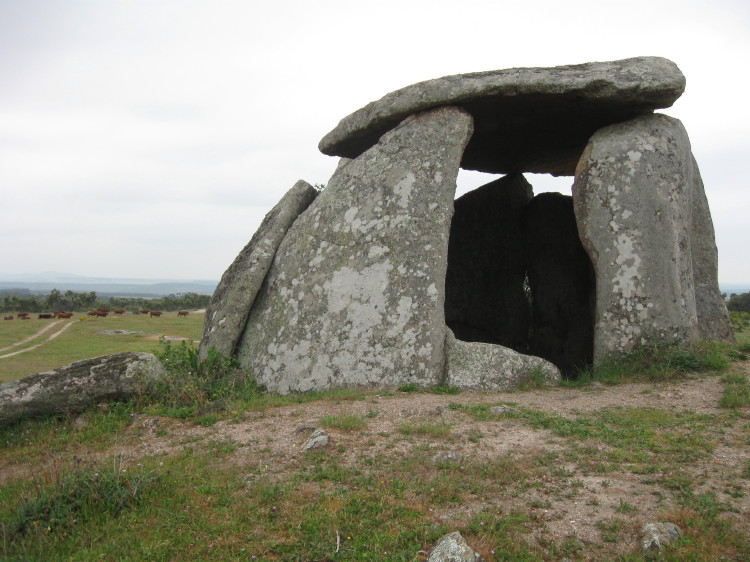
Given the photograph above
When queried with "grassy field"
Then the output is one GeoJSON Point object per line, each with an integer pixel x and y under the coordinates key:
{"type": "Point", "coordinates": [213, 469]}
{"type": "Point", "coordinates": [82, 339]}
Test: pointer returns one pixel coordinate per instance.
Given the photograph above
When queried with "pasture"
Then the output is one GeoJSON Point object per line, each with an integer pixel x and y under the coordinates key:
{"type": "Point", "coordinates": [80, 338]}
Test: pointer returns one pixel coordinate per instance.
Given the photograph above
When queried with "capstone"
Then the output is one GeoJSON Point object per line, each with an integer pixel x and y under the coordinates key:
{"type": "Point", "coordinates": [526, 119]}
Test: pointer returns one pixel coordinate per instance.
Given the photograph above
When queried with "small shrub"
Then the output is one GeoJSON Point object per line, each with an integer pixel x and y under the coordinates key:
{"type": "Point", "coordinates": [196, 385]}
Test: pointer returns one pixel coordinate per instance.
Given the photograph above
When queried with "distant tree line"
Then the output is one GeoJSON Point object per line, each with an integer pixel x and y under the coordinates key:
{"type": "Point", "coordinates": [71, 301]}
{"type": "Point", "coordinates": [179, 301]}
{"type": "Point", "coordinates": [739, 303]}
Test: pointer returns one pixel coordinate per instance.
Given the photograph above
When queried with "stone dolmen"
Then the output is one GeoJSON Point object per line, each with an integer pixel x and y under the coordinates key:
{"type": "Point", "coordinates": [382, 278]}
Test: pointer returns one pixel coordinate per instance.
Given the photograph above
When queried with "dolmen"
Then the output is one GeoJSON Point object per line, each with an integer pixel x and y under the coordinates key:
{"type": "Point", "coordinates": [382, 278]}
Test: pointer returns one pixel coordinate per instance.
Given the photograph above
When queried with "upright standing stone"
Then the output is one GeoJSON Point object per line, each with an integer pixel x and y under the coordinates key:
{"type": "Point", "coordinates": [230, 305]}
{"type": "Point", "coordinates": [713, 318]}
{"type": "Point", "coordinates": [484, 288]}
{"type": "Point", "coordinates": [561, 280]}
{"type": "Point", "coordinates": [633, 205]}
{"type": "Point", "coordinates": [355, 293]}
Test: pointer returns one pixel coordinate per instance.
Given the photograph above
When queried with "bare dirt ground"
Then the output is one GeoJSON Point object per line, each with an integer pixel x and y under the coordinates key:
{"type": "Point", "coordinates": [574, 505]}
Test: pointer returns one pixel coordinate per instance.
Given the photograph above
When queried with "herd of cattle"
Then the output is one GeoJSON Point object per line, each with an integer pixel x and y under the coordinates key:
{"type": "Point", "coordinates": [98, 313]}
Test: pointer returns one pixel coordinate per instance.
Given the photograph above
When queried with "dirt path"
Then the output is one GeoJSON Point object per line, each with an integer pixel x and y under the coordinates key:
{"type": "Point", "coordinates": [31, 337]}
{"type": "Point", "coordinates": [34, 336]}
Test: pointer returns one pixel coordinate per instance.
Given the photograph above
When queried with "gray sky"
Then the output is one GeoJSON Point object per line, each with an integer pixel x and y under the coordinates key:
{"type": "Point", "coordinates": [149, 138]}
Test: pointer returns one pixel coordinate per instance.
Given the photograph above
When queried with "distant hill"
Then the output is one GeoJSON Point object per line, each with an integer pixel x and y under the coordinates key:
{"type": "Point", "coordinates": [104, 286]}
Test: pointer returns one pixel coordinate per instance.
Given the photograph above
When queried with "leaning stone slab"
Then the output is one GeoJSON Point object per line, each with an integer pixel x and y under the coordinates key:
{"type": "Point", "coordinates": [483, 366]}
{"type": "Point", "coordinates": [633, 205]}
{"type": "Point", "coordinates": [75, 387]}
{"type": "Point", "coordinates": [230, 305]}
{"type": "Point", "coordinates": [713, 318]}
{"type": "Point", "coordinates": [355, 293]}
{"type": "Point", "coordinates": [452, 548]}
{"type": "Point", "coordinates": [526, 119]}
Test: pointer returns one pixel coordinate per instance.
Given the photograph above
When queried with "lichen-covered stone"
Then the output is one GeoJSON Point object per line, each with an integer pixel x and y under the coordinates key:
{"type": "Point", "coordinates": [713, 318]}
{"type": "Point", "coordinates": [561, 281]}
{"type": "Point", "coordinates": [317, 440]}
{"type": "Point", "coordinates": [355, 293]}
{"type": "Point", "coordinates": [77, 386]}
{"type": "Point", "coordinates": [452, 548]}
{"type": "Point", "coordinates": [655, 536]}
{"type": "Point", "coordinates": [484, 366]}
{"type": "Point", "coordinates": [234, 296]}
{"type": "Point", "coordinates": [526, 119]}
{"type": "Point", "coordinates": [633, 205]}
{"type": "Point", "coordinates": [484, 287]}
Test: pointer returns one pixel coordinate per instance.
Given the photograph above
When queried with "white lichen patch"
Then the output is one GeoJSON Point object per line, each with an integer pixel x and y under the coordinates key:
{"type": "Point", "coordinates": [404, 188]}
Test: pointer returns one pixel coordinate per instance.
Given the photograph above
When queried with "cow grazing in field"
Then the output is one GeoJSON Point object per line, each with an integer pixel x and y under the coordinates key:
{"type": "Point", "coordinates": [118, 311]}
{"type": "Point", "coordinates": [103, 309]}
{"type": "Point", "coordinates": [64, 314]}
{"type": "Point", "coordinates": [182, 313]}
{"type": "Point", "coordinates": [156, 313]}
{"type": "Point", "coordinates": [8, 317]}
{"type": "Point", "coordinates": [97, 313]}
{"type": "Point", "coordinates": [45, 316]}
{"type": "Point", "coordinates": [22, 315]}
{"type": "Point", "coordinates": [144, 311]}
{"type": "Point", "coordinates": [25, 317]}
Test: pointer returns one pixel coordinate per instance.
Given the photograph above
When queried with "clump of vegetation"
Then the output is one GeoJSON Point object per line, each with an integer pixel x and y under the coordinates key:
{"type": "Point", "coordinates": [424, 428]}
{"type": "Point", "coordinates": [657, 363]}
{"type": "Point", "coordinates": [344, 422]}
{"type": "Point", "coordinates": [79, 496]}
{"type": "Point", "coordinates": [736, 391]}
{"type": "Point", "coordinates": [740, 320]}
{"type": "Point", "coordinates": [195, 384]}
{"type": "Point", "coordinates": [408, 387]}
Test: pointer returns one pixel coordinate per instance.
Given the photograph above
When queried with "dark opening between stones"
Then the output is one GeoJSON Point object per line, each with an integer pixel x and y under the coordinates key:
{"type": "Point", "coordinates": [518, 275]}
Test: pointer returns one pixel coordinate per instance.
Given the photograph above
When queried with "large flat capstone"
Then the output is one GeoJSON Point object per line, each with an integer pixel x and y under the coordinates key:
{"type": "Point", "coordinates": [525, 119]}
{"type": "Point", "coordinates": [355, 293]}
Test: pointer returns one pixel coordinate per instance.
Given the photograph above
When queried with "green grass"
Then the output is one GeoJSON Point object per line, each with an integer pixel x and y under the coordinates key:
{"type": "Point", "coordinates": [424, 428]}
{"type": "Point", "coordinates": [343, 422]}
{"type": "Point", "coordinates": [81, 341]}
{"type": "Point", "coordinates": [229, 498]}
{"type": "Point", "coordinates": [656, 364]}
{"type": "Point", "coordinates": [80, 496]}
{"type": "Point", "coordinates": [736, 391]}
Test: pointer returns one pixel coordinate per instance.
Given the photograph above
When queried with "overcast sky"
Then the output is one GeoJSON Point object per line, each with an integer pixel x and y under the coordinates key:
{"type": "Point", "coordinates": [147, 139]}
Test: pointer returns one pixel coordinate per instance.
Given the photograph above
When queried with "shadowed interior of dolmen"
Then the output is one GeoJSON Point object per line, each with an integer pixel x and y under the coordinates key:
{"type": "Point", "coordinates": [518, 275]}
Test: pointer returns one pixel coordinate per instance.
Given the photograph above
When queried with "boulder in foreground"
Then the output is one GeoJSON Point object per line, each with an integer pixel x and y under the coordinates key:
{"type": "Point", "coordinates": [77, 386]}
